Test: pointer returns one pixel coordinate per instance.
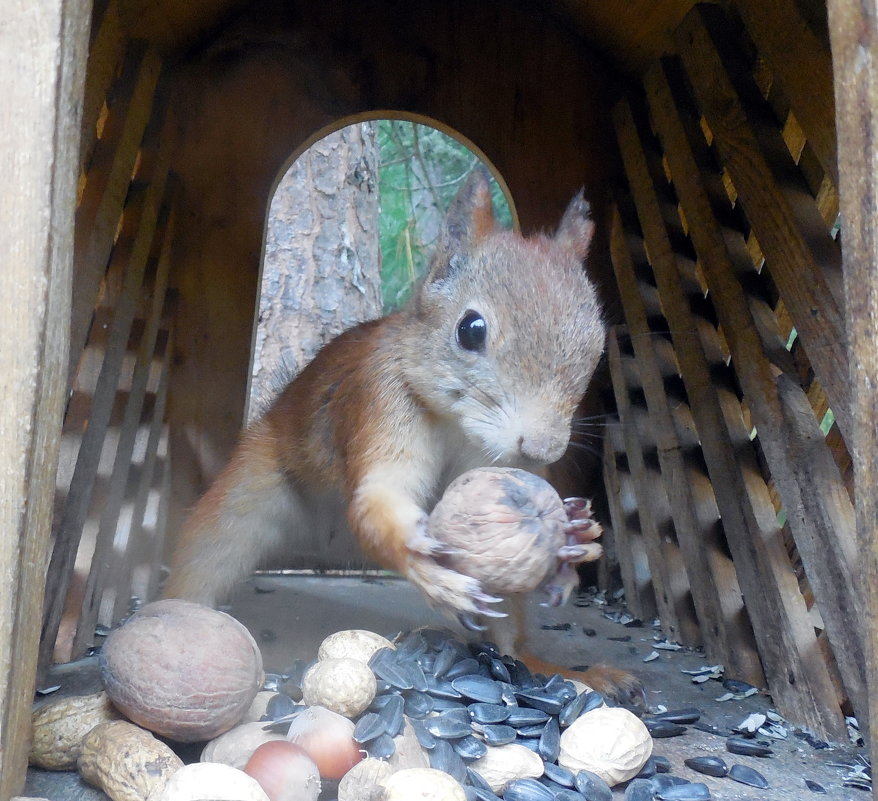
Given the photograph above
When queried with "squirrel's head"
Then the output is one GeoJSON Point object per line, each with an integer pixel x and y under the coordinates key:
{"type": "Point", "coordinates": [511, 329]}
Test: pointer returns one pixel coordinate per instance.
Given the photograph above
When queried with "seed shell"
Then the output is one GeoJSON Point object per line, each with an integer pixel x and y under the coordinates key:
{"type": "Point", "coordinates": [550, 741]}
{"type": "Point", "coordinates": [639, 790]}
{"type": "Point", "coordinates": [527, 790]}
{"type": "Point", "coordinates": [498, 735]}
{"type": "Point", "coordinates": [708, 765]}
{"type": "Point", "coordinates": [523, 716]}
{"type": "Point", "coordinates": [368, 727]}
{"type": "Point", "coordinates": [478, 688]}
{"type": "Point", "coordinates": [663, 728]}
{"type": "Point", "coordinates": [592, 786]}
{"type": "Point", "coordinates": [447, 728]}
{"type": "Point", "coordinates": [744, 747]}
{"type": "Point", "coordinates": [470, 748]}
{"type": "Point", "coordinates": [382, 747]}
{"type": "Point", "coordinates": [559, 775]}
{"type": "Point", "coordinates": [691, 791]}
{"type": "Point", "coordinates": [488, 713]}
{"type": "Point", "coordinates": [746, 775]}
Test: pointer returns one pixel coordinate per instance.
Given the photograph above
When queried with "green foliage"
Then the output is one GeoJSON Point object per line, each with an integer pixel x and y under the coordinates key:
{"type": "Point", "coordinates": [420, 172]}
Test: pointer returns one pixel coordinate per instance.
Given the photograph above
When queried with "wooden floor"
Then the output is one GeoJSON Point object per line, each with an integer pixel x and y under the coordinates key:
{"type": "Point", "coordinates": [290, 615]}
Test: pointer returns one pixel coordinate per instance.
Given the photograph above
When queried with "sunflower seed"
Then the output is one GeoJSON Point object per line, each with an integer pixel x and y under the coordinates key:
{"type": "Point", "coordinates": [478, 688]}
{"type": "Point", "coordinates": [691, 791]}
{"type": "Point", "coordinates": [688, 715]}
{"type": "Point", "coordinates": [558, 774]}
{"type": "Point", "coordinates": [488, 713]}
{"type": "Point", "coordinates": [592, 786]}
{"type": "Point", "coordinates": [664, 781]}
{"type": "Point", "coordinates": [539, 699]}
{"type": "Point", "coordinates": [584, 702]}
{"type": "Point", "coordinates": [708, 765]}
{"type": "Point", "coordinates": [550, 741]}
{"type": "Point", "coordinates": [382, 747]}
{"type": "Point", "coordinates": [426, 740]}
{"type": "Point", "coordinates": [470, 748]}
{"type": "Point", "coordinates": [527, 790]}
{"type": "Point", "coordinates": [440, 688]}
{"type": "Point", "coordinates": [814, 787]}
{"type": "Point", "coordinates": [417, 704]}
{"type": "Point", "coordinates": [446, 657]}
{"type": "Point", "coordinates": [663, 728]}
{"type": "Point", "coordinates": [638, 790]}
{"type": "Point", "coordinates": [745, 747]}
{"type": "Point", "coordinates": [279, 706]}
{"type": "Point", "coordinates": [444, 757]}
{"type": "Point", "coordinates": [447, 728]}
{"type": "Point", "coordinates": [569, 795]}
{"type": "Point", "coordinates": [662, 763]}
{"type": "Point", "coordinates": [746, 775]}
{"type": "Point", "coordinates": [499, 670]}
{"type": "Point", "coordinates": [498, 735]}
{"type": "Point", "coordinates": [368, 727]}
{"type": "Point", "coordinates": [523, 716]}
{"type": "Point", "coordinates": [465, 667]}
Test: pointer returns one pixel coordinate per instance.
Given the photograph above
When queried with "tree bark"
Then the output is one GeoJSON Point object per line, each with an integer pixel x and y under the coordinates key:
{"type": "Point", "coordinates": [322, 267]}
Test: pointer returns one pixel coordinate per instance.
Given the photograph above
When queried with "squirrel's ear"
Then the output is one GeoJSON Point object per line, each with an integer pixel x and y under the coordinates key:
{"type": "Point", "coordinates": [470, 218]}
{"type": "Point", "coordinates": [576, 227]}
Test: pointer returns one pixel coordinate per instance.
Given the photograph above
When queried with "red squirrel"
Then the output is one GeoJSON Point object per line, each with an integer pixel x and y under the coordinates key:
{"type": "Point", "coordinates": [486, 366]}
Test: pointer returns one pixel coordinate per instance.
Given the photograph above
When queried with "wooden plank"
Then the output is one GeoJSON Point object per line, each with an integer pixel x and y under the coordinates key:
{"type": "Point", "coordinates": [145, 541]}
{"type": "Point", "coordinates": [131, 250]}
{"type": "Point", "coordinates": [130, 428]}
{"type": "Point", "coordinates": [106, 186]}
{"type": "Point", "coordinates": [803, 259]}
{"type": "Point", "coordinates": [804, 67]}
{"type": "Point", "coordinates": [667, 570]}
{"type": "Point", "coordinates": [797, 674]}
{"type": "Point", "coordinates": [808, 480]}
{"type": "Point", "coordinates": [853, 30]}
{"type": "Point", "coordinates": [104, 55]}
{"type": "Point", "coordinates": [715, 590]}
{"type": "Point", "coordinates": [632, 556]}
{"type": "Point", "coordinates": [43, 47]}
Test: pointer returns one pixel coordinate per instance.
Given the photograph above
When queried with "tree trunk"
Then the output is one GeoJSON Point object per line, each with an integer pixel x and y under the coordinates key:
{"type": "Point", "coordinates": [322, 266]}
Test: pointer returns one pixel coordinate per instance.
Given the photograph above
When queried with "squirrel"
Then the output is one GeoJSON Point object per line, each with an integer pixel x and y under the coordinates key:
{"type": "Point", "coordinates": [485, 366]}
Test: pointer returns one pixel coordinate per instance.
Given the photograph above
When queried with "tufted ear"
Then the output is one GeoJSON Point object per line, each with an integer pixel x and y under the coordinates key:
{"type": "Point", "coordinates": [576, 227]}
{"type": "Point", "coordinates": [470, 218]}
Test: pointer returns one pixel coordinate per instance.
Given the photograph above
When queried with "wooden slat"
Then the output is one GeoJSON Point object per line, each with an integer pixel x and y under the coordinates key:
{"type": "Point", "coordinates": [797, 675]}
{"type": "Point", "coordinates": [43, 46]}
{"type": "Point", "coordinates": [104, 54]}
{"type": "Point", "coordinates": [803, 65]}
{"type": "Point", "coordinates": [672, 593]}
{"type": "Point", "coordinates": [810, 485]}
{"type": "Point", "coordinates": [130, 253]}
{"type": "Point", "coordinates": [803, 259]}
{"type": "Point", "coordinates": [633, 561]}
{"type": "Point", "coordinates": [106, 187]}
{"type": "Point", "coordinates": [144, 541]}
{"type": "Point", "coordinates": [715, 593]}
{"type": "Point", "coordinates": [854, 35]}
{"type": "Point", "coordinates": [130, 427]}
{"type": "Point", "coordinates": [670, 581]}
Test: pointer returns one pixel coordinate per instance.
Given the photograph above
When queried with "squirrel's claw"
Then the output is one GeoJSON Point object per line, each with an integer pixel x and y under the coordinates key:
{"type": "Point", "coordinates": [469, 623]}
{"type": "Point", "coordinates": [582, 552]}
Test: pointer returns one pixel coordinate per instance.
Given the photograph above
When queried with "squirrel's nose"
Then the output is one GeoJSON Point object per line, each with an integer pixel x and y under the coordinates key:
{"type": "Point", "coordinates": [544, 446]}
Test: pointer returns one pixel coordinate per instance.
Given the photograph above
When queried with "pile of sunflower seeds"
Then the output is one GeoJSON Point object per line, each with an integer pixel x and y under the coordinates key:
{"type": "Point", "coordinates": [460, 699]}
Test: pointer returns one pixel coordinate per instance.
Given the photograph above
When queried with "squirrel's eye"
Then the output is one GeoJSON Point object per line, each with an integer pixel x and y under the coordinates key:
{"type": "Point", "coordinates": [472, 331]}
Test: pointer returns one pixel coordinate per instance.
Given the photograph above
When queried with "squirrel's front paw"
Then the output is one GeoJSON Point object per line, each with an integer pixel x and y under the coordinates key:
{"type": "Point", "coordinates": [448, 589]}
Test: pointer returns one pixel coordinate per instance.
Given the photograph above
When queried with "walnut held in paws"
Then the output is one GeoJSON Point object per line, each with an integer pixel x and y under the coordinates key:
{"type": "Point", "coordinates": [503, 526]}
